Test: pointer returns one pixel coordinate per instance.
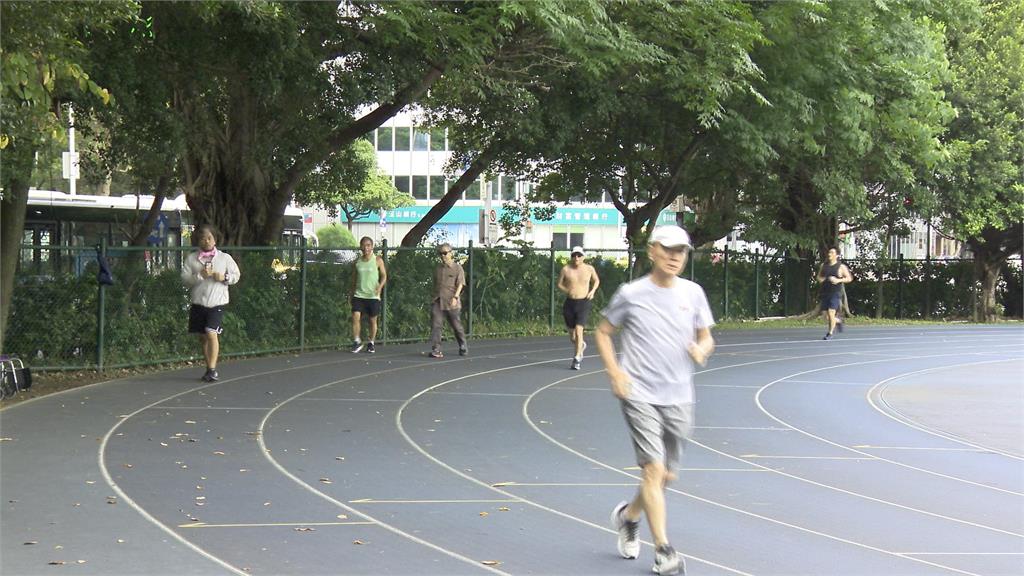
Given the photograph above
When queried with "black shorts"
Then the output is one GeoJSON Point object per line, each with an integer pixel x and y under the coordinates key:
{"type": "Point", "coordinates": [368, 306]}
{"type": "Point", "coordinates": [831, 301]}
{"type": "Point", "coordinates": [202, 319]}
{"type": "Point", "coordinates": [576, 312]}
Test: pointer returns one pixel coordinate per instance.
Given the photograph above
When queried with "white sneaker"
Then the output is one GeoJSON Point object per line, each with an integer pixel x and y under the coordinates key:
{"type": "Point", "coordinates": [629, 532]}
{"type": "Point", "coordinates": [668, 561]}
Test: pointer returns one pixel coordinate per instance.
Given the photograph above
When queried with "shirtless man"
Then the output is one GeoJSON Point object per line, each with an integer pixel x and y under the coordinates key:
{"type": "Point", "coordinates": [579, 281]}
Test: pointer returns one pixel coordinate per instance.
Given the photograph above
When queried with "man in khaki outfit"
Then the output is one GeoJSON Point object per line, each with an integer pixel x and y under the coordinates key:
{"type": "Point", "coordinates": [449, 280]}
{"type": "Point", "coordinates": [579, 281]}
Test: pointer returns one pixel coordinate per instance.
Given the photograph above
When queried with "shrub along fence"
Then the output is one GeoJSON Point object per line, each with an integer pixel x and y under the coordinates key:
{"type": "Point", "coordinates": [296, 298]}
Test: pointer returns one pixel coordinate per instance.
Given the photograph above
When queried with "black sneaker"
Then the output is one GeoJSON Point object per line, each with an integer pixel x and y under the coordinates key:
{"type": "Point", "coordinates": [463, 350]}
{"type": "Point", "coordinates": [668, 561]}
{"type": "Point", "coordinates": [211, 376]}
{"type": "Point", "coordinates": [371, 349]}
{"type": "Point", "coordinates": [575, 364]}
{"type": "Point", "coordinates": [356, 346]}
{"type": "Point", "coordinates": [629, 540]}
{"type": "Point", "coordinates": [827, 337]}
{"type": "Point", "coordinates": [436, 354]}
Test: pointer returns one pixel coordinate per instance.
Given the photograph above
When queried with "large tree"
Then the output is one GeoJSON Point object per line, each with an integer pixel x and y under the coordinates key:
{"type": "Point", "coordinates": [266, 92]}
{"type": "Point", "coordinates": [41, 58]}
{"type": "Point", "coordinates": [982, 194]}
{"type": "Point", "coordinates": [655, 133]}
{"type": "Point", "coordinates": [515, 111]}
{"type": "Point", "coordinates": [857, 110]}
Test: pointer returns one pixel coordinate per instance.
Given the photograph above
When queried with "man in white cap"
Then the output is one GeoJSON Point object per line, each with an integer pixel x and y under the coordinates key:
{"type": "Point", "coordinates": [666, 328]}
{"type": "Point", "coordinates": [579, 281]}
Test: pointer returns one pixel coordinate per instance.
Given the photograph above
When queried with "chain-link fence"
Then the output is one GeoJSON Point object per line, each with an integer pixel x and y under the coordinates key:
{"type": "Point", "coordinates": [297, 298]}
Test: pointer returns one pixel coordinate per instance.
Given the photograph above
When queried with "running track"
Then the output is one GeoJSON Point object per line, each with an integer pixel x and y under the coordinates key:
{"type": "Point", "coordinates": [888, 451]}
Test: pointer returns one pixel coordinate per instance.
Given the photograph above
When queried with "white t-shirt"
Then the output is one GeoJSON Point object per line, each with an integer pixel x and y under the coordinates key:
{"type": "Point", "coordinates": [658, 324]}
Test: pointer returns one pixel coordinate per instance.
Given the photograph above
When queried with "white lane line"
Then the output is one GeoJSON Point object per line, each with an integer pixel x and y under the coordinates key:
{"type": "Point", "coordinates": [327, 399]}
{"type": "Point", "coordinates": [526, 416]}
{"type": "Point", "coordinates": [208, 408]}
{"type": "Point", "coordinates": [560, 484]}
{"type": "Point", "coordinates": [456, 501]}
{"type": "Point", "coordinates": [496, 488]}
{"type": "Point", "coordinates": [730, 385]}
{"type": "Point", "coordinates": [769, 456]}
{"type": "Point", "coordinates": [760, 405]}
{"type": "Point", "coordinates": [703, 470]}
{"type": "Point", "coordinates": [963, 553]}
{"type": "Point", "coordinates": [876, 399]}
{"type": "Point", "coordinates": [761, 428]}
{"type": "Point", "coordinates": [273, 461]}
{"type": "Point", "coordinates": [870, 447]}
{"type": "Point", "coordinates": [475, 394]}
{"type": "Point", "coordinates": [124, 497]}
{"type": "Point", "coordinates": [826, 382]}
{"type": "Point", "coordinates": [271, 524]}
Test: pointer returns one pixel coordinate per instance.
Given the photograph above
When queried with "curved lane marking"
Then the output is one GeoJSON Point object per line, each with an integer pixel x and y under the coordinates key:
{"type": "Point", "coordinates": [887, 409]}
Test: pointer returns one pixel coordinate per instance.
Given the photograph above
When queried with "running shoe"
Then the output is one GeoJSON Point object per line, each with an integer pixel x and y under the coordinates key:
{"type": "Point", "coordinates": [371, 349]}
{"type": "Point", "coordinates": [668, 561]}
{"type": "Point", "coordinates": [211, 375]}
{"type": "Point", "coordinates": [436, 354]}
{"type": "Point", "coordinates": [575, 364]}
{"type": "Point", "coordinates": [356, 346]}
{"type": "Point", "coordinates": [463, 350]}
{"type": "Point", "coordinates": [629, 538]}
{"type": "Point", "coordinates": [827, 337]}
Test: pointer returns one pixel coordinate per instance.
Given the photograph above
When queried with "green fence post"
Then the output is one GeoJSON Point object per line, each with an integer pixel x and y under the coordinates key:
{"type": "Point", "coordinates": [101, 312]}
{"type": "Point", "coordinates": [384, 292]}
{"type": "Point", "coordinates": [785, 283]}
{"type": "Point", "coordinates": [302, 296]}
{"type": "Point", "coordinates": [757, 283]}
{"type": "Point", "coordinates": [725, 284]}
{"type": "Point", "coordinates": [899, 286]}
{"type": "Point", "coordinates": [551, 312]}
{"type": "Point", "coordinates": [469, 293]}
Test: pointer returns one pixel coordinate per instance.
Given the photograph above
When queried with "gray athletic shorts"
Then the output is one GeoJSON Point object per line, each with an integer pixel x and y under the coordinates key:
{"type": "Point", "coordinates": [659, 433]}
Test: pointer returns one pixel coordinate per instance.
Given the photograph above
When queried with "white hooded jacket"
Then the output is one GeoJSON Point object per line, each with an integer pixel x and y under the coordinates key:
{"type": "Point", "coordinates": [207, 291]}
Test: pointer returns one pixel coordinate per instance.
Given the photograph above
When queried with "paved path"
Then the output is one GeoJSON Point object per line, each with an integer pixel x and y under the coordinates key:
{"type": "Point", "coordinates": [885, 452]}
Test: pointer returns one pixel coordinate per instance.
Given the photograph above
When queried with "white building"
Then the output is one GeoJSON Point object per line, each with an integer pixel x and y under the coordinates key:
{"type": "Point", "coordinates": [415, 160]}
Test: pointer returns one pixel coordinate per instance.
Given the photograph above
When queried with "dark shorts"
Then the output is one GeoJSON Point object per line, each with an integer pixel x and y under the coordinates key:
{"type": "Point", "coordinates": [576, 312]}
{"type": "Point", "coordinates": [831, 301]}
{"type": "Point", "coordinates": [202, 319]}
{"type": "Point", "coordinates": [368, 306]}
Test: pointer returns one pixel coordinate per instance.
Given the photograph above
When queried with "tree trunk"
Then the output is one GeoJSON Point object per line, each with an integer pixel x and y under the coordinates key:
{"type": "Point", "coordinates": [17, 173]}
{"type": "Point", "coordinates": [414, 236]}
{"type": "Point", "coordinates": [987, 272]}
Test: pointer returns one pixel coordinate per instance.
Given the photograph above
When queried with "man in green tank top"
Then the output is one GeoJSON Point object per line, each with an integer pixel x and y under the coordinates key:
{"type": "Point", "coordinates": [368, 281]}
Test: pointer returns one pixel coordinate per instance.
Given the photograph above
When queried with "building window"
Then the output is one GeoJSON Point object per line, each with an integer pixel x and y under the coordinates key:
{"type": "Point", "coordinates": [495, 189]}
{"type": "Point", "coordinates": [564, 240]}
{"type": "Point", "coordinates": [420, 140]}
{"type": "Point", "coordinates": [402, 184]}
{"type": "Point", "coordinates": [402, 139]}
{"type": "Point", "coordinates": [508, 188]}
{"type": "Point", "coordinates": [384, 139]}
{"type": "Point", "coordinates": [437, 187]}
{"type": "Point", "coordinates": [419, 187]}
{"type": "Point", "coordinates": [437, 142]}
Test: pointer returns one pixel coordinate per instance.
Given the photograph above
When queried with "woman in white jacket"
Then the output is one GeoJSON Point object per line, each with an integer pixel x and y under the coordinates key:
{"type": "Point", "coordinates": [208, 272]}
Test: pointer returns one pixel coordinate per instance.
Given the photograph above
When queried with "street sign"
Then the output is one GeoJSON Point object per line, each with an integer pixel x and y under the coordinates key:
{"type": "Point", "coordinates": [69, 165]}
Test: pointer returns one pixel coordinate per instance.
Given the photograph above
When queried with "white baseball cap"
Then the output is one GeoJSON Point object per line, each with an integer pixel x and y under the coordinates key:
{"type": "Point", "coordinates": [577, 250]}
{"type": "Point", "coordinates": [670, 237]}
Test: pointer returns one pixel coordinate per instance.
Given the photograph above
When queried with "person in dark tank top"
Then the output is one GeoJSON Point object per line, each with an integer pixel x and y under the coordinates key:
{"type": "Point", "coordinates": [832, 275]}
